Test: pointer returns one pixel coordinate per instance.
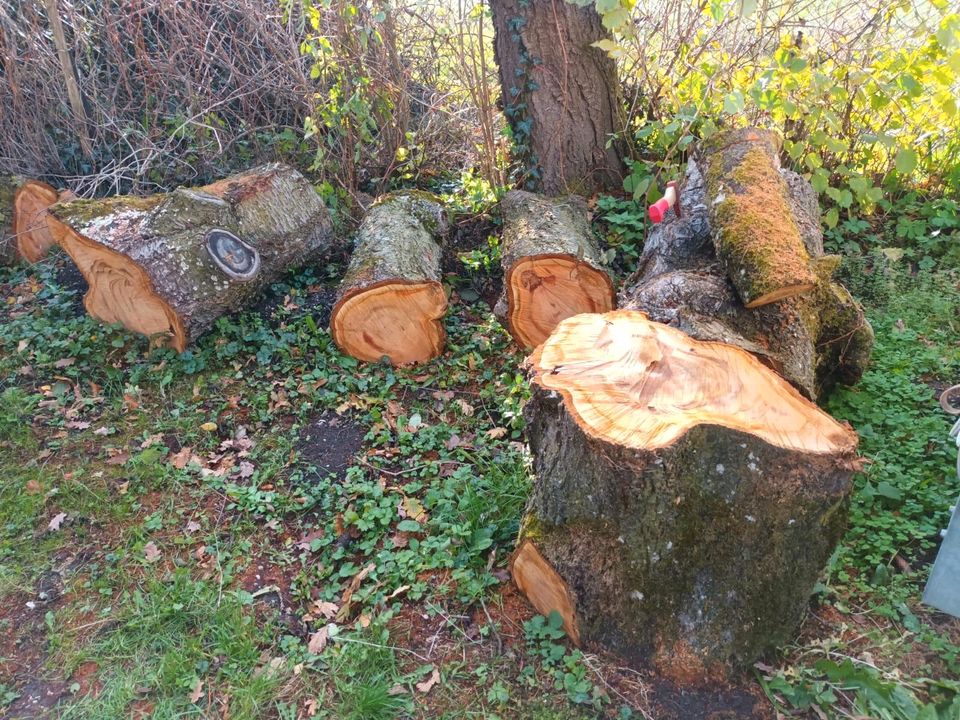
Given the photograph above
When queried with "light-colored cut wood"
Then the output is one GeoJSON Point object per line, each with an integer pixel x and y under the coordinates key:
{"type": "Point", "coordinates": [545, 289]}
{"type": "Point", "coordinates": [642, 385]}
{"type": "Point", "coordinates": [545, 589]}
{"type": "Point", "coordinates": [27, 236]}
{"type": "Point", "coordinates": [148, 262]}
{"type": "Point", "coordinates": [394, 319]}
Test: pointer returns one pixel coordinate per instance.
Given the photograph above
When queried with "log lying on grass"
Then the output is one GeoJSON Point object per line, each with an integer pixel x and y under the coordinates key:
{"type": "Point", "coordinates": [755, 235]}
{"type": "Point", "coordinates": [23, 219]}
{"type": "Point", "coordinates": [169, 265]}
{"type": "Point", "coordinates": [686, 496]}
{"type": "Point", "coordinates": [551, 264]}
{"type": "Point", "coordinates": [391, 302]}
{"type": "Point", "coordinates": [814, 340]}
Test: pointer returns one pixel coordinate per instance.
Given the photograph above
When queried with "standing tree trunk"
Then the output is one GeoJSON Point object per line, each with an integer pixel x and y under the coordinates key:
{"type": "Point", "coordinates": [560, 95]}
{"type": "Point", "coordinates": [168, 266]}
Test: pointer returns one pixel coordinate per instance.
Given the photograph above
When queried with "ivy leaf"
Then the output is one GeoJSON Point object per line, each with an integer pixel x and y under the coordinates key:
{"type": "Point", "coordinates": [906, 161]}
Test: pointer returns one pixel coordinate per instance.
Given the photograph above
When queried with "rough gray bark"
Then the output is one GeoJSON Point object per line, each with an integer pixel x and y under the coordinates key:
{"type": "Point", "coordinates": [560, 94]}
{"type": "Point", "coordinates": [814, 341]}
{"type": "Point", "coordinates": [391, 300]}
{"type": "Point", "coordinates": [147, 263]}
{"type": "Point", "coordinates": [544, 237]}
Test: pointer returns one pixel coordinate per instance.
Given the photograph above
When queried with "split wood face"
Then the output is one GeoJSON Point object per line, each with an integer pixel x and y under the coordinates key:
{"type": "Point", "coordinates": [546, 289]}
{"type": "Point", "coordinates": [642, 385]}
{"type": "Point", "coordinates": [30, 205]}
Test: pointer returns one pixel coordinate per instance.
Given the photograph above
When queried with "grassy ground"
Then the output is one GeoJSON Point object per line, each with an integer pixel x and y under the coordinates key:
{"type": "Point", "coordinates": [262, 528]}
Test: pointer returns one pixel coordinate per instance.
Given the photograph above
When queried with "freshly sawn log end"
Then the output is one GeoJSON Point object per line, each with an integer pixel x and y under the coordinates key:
{"type": "Point", "coordinates": [756, 238]}
{"type": "Point", "coordinates": [686, 498]}
{"type": "Point", "coordinates": [551, 263]}
{"type": "Point", "coordinates": [23, 219]}
{"type": "Point", "coordinates": [391, 302]}
{"type": "Point", "coordinates": [168, 266]}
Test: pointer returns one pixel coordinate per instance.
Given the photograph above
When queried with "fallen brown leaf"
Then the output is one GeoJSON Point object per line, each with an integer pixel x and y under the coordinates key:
{"type": "Point", "coordinates": [427, 685]}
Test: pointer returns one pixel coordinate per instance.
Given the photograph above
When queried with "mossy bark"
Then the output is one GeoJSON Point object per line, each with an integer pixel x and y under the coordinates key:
{"type": "Point", "coordinates": [155, 246]}
{"type": "Point", "coordinates": [391, 301]}
{"type": "Point", "coordinates": [814, 340]}
{"type": "Point", "coordinates": [697, 557]}
{"type": "Point", "coordinates": [755, 233]}
{"type": "Point", "coordinates": [399, 239]}
{"type": "Point", "coordinates": [540, 235]}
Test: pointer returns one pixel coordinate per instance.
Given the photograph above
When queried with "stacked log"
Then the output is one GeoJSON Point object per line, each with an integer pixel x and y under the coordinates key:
{"type": "Point", "coordinates": [24, 234]}
{"type": "Point", "coordinates": [551, 263]}
{"type": "Point", "coordinates": [687, 497]}
{"type": "Point", "coordinates": [391, 302]}
{"type": "Point", "coordinates": [169, 265]}
{"type": "Point", "coordinates": [816, 337]}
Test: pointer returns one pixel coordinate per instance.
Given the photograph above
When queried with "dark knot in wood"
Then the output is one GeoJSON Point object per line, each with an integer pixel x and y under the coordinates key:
{"type": "Point", "coordinates": [237, 259]}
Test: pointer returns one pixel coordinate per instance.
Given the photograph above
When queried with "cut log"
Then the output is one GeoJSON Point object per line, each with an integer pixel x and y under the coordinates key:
{"type": "Point", "coordinates": [551, 263]}
{"type": "Point", "coordinates": [391, 302]}
{"type": "Point", "coordinates": [755, 234]}
{"type": "Point", "coordinates": [814, 340]}
{"type": "Point", "coordinates": [23, 219]}
{"type": "Point", "coordinates": [686, 497]}
{"type": "Point", "coordinates": [168, 266]}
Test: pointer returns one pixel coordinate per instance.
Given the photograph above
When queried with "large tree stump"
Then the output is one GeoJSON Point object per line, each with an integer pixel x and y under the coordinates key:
{"type": "Point", "coordinates": [169, 265]}
{"type": "Point", "coordinates": [391, 302]}
{"type": "Point", "coordinates": [814, 340]}
{"type": "Point", "coordinates": [755, 235]}
{"type": "Point", "coordinates": [551, 264]}
{"type": "Point", "coordinates": [23, 219]}
{"type": "Point", "coordinates": [686, 498]}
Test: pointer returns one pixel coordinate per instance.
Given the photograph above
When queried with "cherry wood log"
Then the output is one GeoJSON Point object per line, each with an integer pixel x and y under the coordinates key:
{"type": "Point", "coordinates": [168, 266]}
{"type": "Point", "coordinates": [814, 340]}
{"type": "Point", "coordinates": [755, 235]}
{"type": "Point", "coordinates": [551, 263]}
{"type": "Point", "coordinates": [391, 302]}
{"type": "Point", "coordinates": [686, 497]}
{"type": "Point", "coordinates": [23, 219]}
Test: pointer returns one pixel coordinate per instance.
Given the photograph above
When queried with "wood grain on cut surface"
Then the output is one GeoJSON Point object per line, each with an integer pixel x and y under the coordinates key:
{"type": "Point", "coordinates": [552, 265]}
{"type": "Point", "coordinates": [394, 319]}
{"type": "Point", "coordinates": [147, 263]}
{"type": "Point", "coordinates": [642, 385]}
{"type": "Point", "coordinates": [30, 205]}
{"type": "Point", "coordinates": [545, 289]}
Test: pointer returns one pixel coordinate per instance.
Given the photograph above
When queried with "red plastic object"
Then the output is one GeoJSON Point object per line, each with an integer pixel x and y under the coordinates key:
{"type": "Point", "coordinates": [658, 210]}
